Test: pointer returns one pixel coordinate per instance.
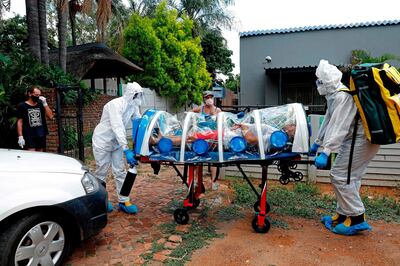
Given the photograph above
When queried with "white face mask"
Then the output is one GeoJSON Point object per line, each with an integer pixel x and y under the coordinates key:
{"type": "Point", "coordinates": [137, 101]}
{"type": "Point", "coordinates": [209, 102]}
{"type": "Point", "coordinates": [322, 90]}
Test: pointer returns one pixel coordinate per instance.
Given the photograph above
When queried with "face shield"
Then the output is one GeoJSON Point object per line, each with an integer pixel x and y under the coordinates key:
{"type": "Point", "coordinates": [138, 99]}
{"type": "Point", "coordinates": [322, 90]}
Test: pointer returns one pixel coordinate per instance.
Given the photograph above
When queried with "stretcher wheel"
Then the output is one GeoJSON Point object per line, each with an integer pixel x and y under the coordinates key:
{"type": "Point", "coordinates": [284, 180]}
{"type": "Point", "coordinates": [257, 207]}
{"type": "Point", "coordinates": [298, 176]}
{"type": "Point", "coordinates": [181, 216]}
{"type": "Point", "coordinates": [263, 229]}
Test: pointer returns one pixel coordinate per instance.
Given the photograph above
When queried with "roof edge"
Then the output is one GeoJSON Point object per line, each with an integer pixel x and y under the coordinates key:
{"type": "Point", "coordinates": [320, 27]}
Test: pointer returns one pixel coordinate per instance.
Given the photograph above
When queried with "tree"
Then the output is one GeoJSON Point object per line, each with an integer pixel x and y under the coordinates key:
{"type": "Point", "coordinates": [120, 17]}
{"type": "Point", "coordinates": [206, 13]}
{"type": "Point", "coordinates": [170, 56]}
{"type": "Point", "coordinates": [13, 35]}
{"type": "Point", "coordinates": [142, 46]}
{"type": "Point", "coordinates": [144, 7]}
{"type": "Point", "coordinates": [4, 6]}
{"type": "Point", "coordinates": [216, 53]}
{"type": "Point", "coordinates": [37, 29]}
{"type": "Point", "coordinates": [44, 47]}
{"type": "Point", "coordinates": [32, 19]}
{"type": "Point", "coordinates": [233, 83]}
{"type": "Point", "coordinates": [62, 12]}
{"type": "Point", "coordinates": [364, 56]}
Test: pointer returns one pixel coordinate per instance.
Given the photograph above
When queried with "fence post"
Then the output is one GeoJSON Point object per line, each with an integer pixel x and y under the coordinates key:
{"type": "Point", "coordinates": [80, 126]}
{"type": "Point", "coordinates": [59, 122]}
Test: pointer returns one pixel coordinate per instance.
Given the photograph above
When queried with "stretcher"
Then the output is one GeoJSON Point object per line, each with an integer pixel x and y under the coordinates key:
{"type": "Point", "coordinates": [188, 142]}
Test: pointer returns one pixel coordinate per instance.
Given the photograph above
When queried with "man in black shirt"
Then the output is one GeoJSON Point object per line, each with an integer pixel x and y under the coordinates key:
{"type": "Point", "coordinates": [31, 123]}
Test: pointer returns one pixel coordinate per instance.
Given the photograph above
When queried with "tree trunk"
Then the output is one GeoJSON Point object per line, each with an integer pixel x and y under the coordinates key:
{"type": "Point", "coordinates": [32, 20]}
{"type": "Point", "coordinates": [62, 10]}
{"type": "Point", "coordinates": [72, 14]}
{"type": "Point", "coordinates": [44, 49]}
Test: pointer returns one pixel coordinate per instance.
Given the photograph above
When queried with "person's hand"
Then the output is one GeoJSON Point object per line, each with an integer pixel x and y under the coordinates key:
{"type": "Point", "coordinates": [43, 100]}
{"type": "Point", "coordinates": [21, 142]}
{"type": "Point", "coordinates": [321, 161]}
{"type": "Point", "coordinates": [313, 149]}
{"type": "Point", "coordinates": [130, 158]}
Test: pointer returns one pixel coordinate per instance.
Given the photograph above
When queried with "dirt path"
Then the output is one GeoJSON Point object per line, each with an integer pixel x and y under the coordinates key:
{"type": "Point", "coordinates": [307, 242]}
{"type": "Point", "coordinates": [129, 240]}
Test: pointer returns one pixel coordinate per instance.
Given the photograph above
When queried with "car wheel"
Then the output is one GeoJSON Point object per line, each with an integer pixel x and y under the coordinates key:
{"type": "Point", "coordinates": [36, 239]}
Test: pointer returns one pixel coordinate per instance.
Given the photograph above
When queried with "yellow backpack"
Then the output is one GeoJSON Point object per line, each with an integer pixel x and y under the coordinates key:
{"type": "Point", "coordinates": [376, 91]}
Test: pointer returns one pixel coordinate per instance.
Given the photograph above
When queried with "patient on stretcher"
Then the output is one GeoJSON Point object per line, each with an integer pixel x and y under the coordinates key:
{"type": "Point", "coordinates": [249, 133]}
{"type": "Point", "coordinates": [224, 137]}
{"type": "Point", "coordinates": [201, 128]}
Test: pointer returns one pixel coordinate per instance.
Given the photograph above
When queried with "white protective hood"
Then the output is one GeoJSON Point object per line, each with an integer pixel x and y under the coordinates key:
{"type": "Point", "coordinates": [110, 133]}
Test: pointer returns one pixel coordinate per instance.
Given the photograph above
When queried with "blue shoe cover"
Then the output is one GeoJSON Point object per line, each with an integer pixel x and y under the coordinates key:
{"type": "Point", "coordinates": [341, 229]}
{"type": "Point", "coordinates": [109, 207]}
{"type": "Point", "coordinates": [128, 207]}
{"type": "Point", "coordinates": [327, 221]}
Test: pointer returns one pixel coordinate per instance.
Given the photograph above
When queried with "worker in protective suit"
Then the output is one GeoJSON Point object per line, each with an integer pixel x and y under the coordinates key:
{"type": "Point", "coordinates": [336, 134]}
{"type": "Point", "coordinates": [110, 142]}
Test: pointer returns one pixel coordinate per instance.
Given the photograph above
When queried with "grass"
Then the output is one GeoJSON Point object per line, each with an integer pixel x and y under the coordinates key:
{"type": "Point", "coordinates": [382, 208]}
{"type": "Point", "coordinates": [305, 200]}
{"type": "Point", "coordinates": [230, 213]}
{"type": "Point", "coordinates": [198, 236]}
{"type": "Point", "coordinates": [156, 247]}
{"type": "Point", "coordinates": [168, 228]}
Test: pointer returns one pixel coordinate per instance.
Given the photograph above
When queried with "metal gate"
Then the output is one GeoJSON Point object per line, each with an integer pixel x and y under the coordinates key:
{"type": "Point", "coordinates": [69, 104]}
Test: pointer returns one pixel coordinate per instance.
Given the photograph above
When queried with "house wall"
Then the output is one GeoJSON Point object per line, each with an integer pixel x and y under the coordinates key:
{"type": "Point", "coordinates": [305, 49]}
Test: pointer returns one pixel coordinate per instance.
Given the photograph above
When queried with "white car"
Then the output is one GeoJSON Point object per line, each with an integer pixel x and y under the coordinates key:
{"type": "Point", "coordinates": [47, 203]}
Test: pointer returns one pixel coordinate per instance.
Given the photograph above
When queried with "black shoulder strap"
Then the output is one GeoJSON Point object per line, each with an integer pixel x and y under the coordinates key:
{"type": "Point", "coordinates": [353, 141]}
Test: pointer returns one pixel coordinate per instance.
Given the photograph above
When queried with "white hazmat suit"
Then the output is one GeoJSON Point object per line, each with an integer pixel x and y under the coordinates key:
{"type": "Point", "coordinates": [336, 134]}
{"type": "Point", "coordinates": [109, 137]}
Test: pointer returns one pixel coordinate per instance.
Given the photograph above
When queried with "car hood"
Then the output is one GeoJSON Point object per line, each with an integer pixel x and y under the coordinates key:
{"type": "Point", "coordinates": [30, 161]}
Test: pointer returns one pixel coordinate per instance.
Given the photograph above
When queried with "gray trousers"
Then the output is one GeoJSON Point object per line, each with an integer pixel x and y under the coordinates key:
{"type": "Point", "coordinates": [348, 198]}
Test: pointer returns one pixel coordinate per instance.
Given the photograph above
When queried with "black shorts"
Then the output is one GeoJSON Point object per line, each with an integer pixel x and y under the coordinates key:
{"type": "Point", "coordinates": [35, 143]}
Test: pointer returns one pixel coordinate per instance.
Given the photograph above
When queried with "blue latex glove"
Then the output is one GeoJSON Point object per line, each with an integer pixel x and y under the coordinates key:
{"type": "Point", "coordinates": [130, 158]}
{"type": "Point", "coordinates": [321, 161]}
{"type": "Point", "coordinates": [313, 149]}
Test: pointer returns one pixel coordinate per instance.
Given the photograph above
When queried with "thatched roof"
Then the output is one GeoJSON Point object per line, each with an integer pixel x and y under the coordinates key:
{"type": "Point", "coordinates": [95, 60]}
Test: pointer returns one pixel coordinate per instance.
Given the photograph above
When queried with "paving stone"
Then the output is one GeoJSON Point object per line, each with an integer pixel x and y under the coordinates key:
{"type": "Point", "coordinates": [117, 243]}
{"type": "Point", "coordinates": [183, 228]}
{"type": "Point", "coordinates": [175, 239]}
{"type": "Point", "coordinates": [160, 257]}
{"type": "Point", "coordinates": [161, 241]}
{"type": "Point", "coordinates": [148, 246]}
{"type": "Point", "coordinates": [170, 245]}
{"type": "Point", "coordinates": [166, 252]}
